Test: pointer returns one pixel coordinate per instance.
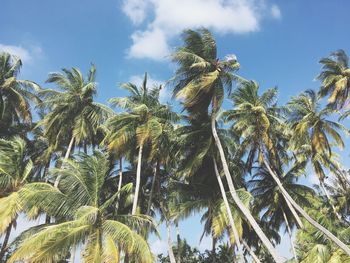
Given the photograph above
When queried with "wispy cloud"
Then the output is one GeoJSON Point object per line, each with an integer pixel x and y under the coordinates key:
{"type": "Point", "coordinates": [25, 54]}
{"type": "Point", "coordinates": [160, 21]}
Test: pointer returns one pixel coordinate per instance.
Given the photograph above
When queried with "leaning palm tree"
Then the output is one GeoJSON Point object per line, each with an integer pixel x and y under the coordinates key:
{"type": "Point", "coordinates": [335, 77]}
{"type": "Point", "coordinates": [89, 221]}
{"type": "Point", "coordinates": [16, 187]}
{"type": "Point", "coordinates": [255, 117]}
{"type": "Point", "coordinates": [312, 131]}
{"type": "Point", "coordinates": [200, 80]}
{"type": "Point", "coordinates": [73, 117]}
{"type": "Point", "coordinates": [15, 94]}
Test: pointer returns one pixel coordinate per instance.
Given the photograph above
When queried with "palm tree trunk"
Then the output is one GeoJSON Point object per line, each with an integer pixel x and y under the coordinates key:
{"type": "Point", "coordinates": [156, 168]}
{"type": "Point", "coordinates": [170, 242]}
{"type": "Point", "coordinates": [178, 242]}
{"type": "Point", "coordinates": [330, 201]}
{"type": "Point", "coordinates": [319, 227]}
{"type": "Point", "coordinates": [70, 146]}
{"type": "Point", "coordinates": [228, 210]}
{"type": "Point", "coordinates": [6, 240]}
{"type": "Point", "coordinates": [235, 197]}
{"type": "Point", "coordinates": [213, 248]}
{"type": "Point", "coordinates": [120, 173]}
{"type": "Point", "coordinates": [251, 252]}
{"type": "Point", "coordinates": [138, 179]}
{"type": "Point", "coordinates": [290, 235]}
{"type": "Point", "coordinates": [72, 255]}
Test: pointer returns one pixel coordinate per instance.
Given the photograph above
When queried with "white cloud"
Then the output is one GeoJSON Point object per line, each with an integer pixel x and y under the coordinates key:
{"type": "Point", "coordinates": [164, 95]}
{"type": "Point", "coordinates": [167, 18]}
{"type": "Point", "coordinates": [276, 12]}
{"type": "Point", "coordinates": [25, 54]}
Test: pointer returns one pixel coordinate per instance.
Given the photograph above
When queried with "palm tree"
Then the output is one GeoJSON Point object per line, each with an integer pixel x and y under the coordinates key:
{"type": "Point", "coordinates": [15, 95]}
{"type": "Point", "coordinates": [86, 207]}
{"type": "Point", "coordinates": [269, 199]}
{"type": "Point", "coordinates": [200, 81]}
{"type": "Point", "coordinates": [255, 117]}
{"type": "Point", "coordinates": [311, 133]}
{"type": "Point", "coordinates": [73, 117]}
{"type": "Point", "coordinates": [335, 77]}
{"type": "Point", "coordinates": [17, 190]}
{"type": "Point", "coordinates": [146, 119]}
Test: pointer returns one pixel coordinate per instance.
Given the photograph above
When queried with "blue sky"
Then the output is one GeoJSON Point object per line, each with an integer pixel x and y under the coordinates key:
{"type": "Point", "coordinates": [278, 43]}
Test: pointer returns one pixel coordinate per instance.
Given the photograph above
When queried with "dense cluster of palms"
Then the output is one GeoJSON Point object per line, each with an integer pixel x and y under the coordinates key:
{"type": "Point", "coordinates": [102, 178]}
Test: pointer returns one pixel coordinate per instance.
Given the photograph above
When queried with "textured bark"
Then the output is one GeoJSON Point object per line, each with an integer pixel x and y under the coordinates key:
{"type": "Point", "coordinates": [5, 242]}
{"type": "Point", "coordinates": [229, 212]}
{"type": "Point", "coordinates": [138, 181]}
{"type": "Point", "coordinates": [236, 199]}
{"type": "Point", "coordinates": [318, 226]}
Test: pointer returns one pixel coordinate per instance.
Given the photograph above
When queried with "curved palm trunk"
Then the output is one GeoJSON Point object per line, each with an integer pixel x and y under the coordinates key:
{"type": "Point", "coordinates": [6, 240]}
{"type": "Point", "coordinates": [290, 234]}
{"type": "Point", "coordinates": [72, 255]}
{"type": "Point", "coordinates": [229, 212]}
{"type": "Point", "coordinates": [120, 174]}
{"type": "Point", "coordinates": [250, 251]}
{"type": "Point", "coordinates": [330, 201]}
{"type": "Point", "coordinates": [156, 168]}
{"type": "Point", "coordinates": [236, 199]}
{"type": "Point", "coordinates": [318, 226]}
{"type": "Point", "coordinates": [70, 146]}
{"type": "Point", "coordinates": [138, 179]}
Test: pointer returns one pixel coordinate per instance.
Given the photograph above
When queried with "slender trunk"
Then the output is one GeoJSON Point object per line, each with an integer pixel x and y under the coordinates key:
{"type": "Point", "coordinates": [156, 168]}
{"type": "Point", "coordinates": [6, 240]}
{"type": "Point", "coordinates": [70, 146]}
{"type": "Point", "coordinates": [138, 179]}
{"type": "Point", "coordinates": [236, 199]}
{"type": "Point", "coordinates": [120, 173]}
{"type": "Point", "coordinates": [46, 170]}
{"type": "Point", "coordinates": [229, 212]}
{"type": "Point", "coordinates": [170, 242]}
{"type": "Point", "coordinates": [250, 251]}
{"type": "Point", "coordinates": [330, 201]}
{"type": "Point", "coordinates": [213, 248]}
{"type": "Point", "coordinates": [290, 235]}
{"type": "Point", "coordinates": [85, 148]}
{"type": "Point", "coordinates": [325, 231]}
{"type": "Point", "coordinates": [178, 242]}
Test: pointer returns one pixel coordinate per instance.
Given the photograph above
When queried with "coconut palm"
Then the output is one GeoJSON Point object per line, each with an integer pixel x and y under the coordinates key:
{"type": "Point", "coordinates": [268, 197]}
{"type": "Point", "coordinates": [73, 117]}
{"type": "Point", "coordinates": [17, 190]}
{"type": "Point", "coordinates": [144, 121]}
{"type": "Point", "coordinates": [84, 203]}
{"type": "Point", "coordinates": [255, 118]}
{"type": "Point", "coordinates": [335, 77]}
{"type": "Point", "coordinates": [200, 80]}
{"type": "Point", "coordinates": [15, 95]}
{"type": "Point", "coordinates": [312, 132]}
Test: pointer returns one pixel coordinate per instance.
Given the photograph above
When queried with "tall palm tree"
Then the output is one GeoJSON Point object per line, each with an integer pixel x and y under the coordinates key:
{"type": "Point", "coordinates": [312, 130]}
{"type": "Point", "coordinates": [15, 95]}
{"type": "Point", "coordinates": [73, 117]}
{"type": "Point", "coordinates": [86, 206]}
{"type": "Point", "coordinates": [255, 117]}
{"type": "Point", "coordinates": [335, 77]}
{"type": "Point", "coordinates": [200, 80]}
{"type": "Point", "coordinates": [17, 189]}
{"type": "Point", "coordinates": [269, 199]}
{"type": "Point", "coordinates": [140, 126]}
